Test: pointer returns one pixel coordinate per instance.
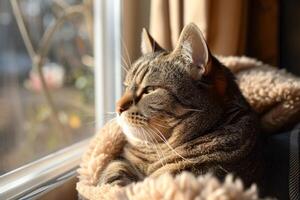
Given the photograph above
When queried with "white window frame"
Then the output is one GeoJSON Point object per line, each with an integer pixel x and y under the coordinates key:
{"type": "Point", "coordinates": [107, 57]}
{"type": "Point", "coordinates": [29, 180]}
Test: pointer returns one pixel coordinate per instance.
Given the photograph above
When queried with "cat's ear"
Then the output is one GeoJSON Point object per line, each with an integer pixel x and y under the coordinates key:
{"type": "Point", "coordinates": [149, 45]}
{"type": "Point", "coordinates": [192, 44]}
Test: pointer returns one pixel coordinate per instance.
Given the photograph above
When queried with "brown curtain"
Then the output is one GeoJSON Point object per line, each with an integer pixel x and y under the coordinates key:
{"type": "Point", "coordinates": [231, 27]}
{"type": "Point", "coordinates": [135, 16]}
{"type": "Point", "coordinates": [222, 22]}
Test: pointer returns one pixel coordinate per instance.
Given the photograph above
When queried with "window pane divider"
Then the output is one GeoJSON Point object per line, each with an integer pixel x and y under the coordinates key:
{"type": "Point", "coordinates": [107, 48]}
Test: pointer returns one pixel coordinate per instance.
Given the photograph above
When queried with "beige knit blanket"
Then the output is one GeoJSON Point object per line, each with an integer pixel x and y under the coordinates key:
{"type": "Point", "coordinates": [273, 93]}
{"type": "Point", "coordinates": [109, 142]}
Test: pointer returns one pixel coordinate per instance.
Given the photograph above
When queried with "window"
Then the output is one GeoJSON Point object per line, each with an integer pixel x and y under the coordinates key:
{"type": "Point", "coordinates": [36, 120]}
{"type": "Point", "coordinates": [45, 125]}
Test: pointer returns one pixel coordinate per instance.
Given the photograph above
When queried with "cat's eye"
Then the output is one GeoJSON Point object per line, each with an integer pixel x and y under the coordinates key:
{"type": "Point", "coordinates": [149, 89]}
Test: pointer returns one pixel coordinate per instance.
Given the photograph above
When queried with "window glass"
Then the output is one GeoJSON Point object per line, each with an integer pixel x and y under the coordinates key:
{"type": "Point", "coordinates": [53, 39]}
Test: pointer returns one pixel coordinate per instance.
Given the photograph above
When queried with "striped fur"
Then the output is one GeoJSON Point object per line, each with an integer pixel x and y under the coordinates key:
{"type": "Point", "coordinates": [183, 111]}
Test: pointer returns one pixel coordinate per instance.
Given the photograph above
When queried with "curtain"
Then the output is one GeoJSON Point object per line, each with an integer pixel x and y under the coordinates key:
{"type": "Point", "coordinates": [223, 23]}
{"type": "Point", "coordinates": [231, 27]}
{"type": "Point", "coordinates": [135, 16]}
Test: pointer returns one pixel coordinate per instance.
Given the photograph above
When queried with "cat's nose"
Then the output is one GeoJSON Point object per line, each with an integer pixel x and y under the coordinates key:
{"type": "Point", "coordinates": [122, 108]}
{"type": "Point", "coordinates": [124, 103]}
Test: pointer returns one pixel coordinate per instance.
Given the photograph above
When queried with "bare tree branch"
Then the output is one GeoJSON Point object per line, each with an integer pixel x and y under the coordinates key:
{"type": "Point", "coordinates": [38, 57]}
{"type": "Point", "coordinates": [62, 4]}
{"type": "Point", "coordinates": [55, 25]}
{"type": "Point", "coordinates": [24, 33]}
{"type": "Point", "coordinates": [44, 48]}
{"type": "Point", "coordinates": [88, 16]}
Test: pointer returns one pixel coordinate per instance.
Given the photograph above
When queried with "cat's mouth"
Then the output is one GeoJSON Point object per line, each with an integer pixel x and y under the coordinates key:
{"type": "Point", "coordinates": [134, 119]}
{"type": "Point", "coordinates": [142, 129]}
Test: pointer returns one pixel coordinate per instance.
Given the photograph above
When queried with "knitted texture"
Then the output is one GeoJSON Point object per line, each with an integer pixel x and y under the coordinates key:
{"type": "Point", "coordinates": [184, 186]}
{"type": "Point", "coordinates": [107, 144]}
{"type": "Point", "coordinates": [273, 93]}
{"type": "Point", "coordinates": [103, 148]}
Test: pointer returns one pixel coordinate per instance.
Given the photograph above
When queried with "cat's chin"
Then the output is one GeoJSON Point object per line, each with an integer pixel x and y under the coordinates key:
{"type": "Point", "coordinates": [130, 132]}
{"type": "Point", "coordinates": [150, 132]}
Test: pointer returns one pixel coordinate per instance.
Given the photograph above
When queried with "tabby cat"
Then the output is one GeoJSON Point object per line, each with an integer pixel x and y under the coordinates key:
{"type": "Point", "coordinates": [182, 110]}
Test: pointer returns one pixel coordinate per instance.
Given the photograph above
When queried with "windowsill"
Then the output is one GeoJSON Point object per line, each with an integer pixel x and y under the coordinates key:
{"type": "Point", "coordinates": [42, 175]}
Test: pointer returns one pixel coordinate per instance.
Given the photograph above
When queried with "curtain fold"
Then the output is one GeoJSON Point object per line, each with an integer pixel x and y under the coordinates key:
{"type": "Point", "coordinates": [223, 23]}
{"type": "Point", "coordinates": [231, 27]}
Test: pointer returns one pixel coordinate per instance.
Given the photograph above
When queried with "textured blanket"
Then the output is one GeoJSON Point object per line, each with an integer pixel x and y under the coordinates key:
{"type": "Point", "coordinates": [273, 93]}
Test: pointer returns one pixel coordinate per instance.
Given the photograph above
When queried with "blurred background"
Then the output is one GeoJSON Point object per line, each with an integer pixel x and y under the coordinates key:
{"type": "Point", "coordinates": [35, 38]}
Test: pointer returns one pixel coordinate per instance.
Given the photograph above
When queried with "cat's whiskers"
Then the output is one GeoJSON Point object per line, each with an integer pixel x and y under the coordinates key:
{"type": "Point", "coordinates": [111, 113]}
{"type": "Point", "coordinates": [157, 119]}
{"type": "Point", "coordinates": [106, 116]}
{"type": "Point", "coordinates": [151, 132]}
{"type": "Point", "coordinates": [162, 122]}
{"type": "Point", "coordinates": [126, 67]}
{"type": "Point", "coordinates": [113, 119]}
{"type": "Point", "coordinates": [145, 138]}
{"type": "Point", "coordinates": [90, 123]}
{"type": "Point", "coordinates": [222, 168]}
{"type": "Point", "coordinates": [159, 134]}
{"type": "Point", "coordinates": [127, 54]}
{"type": "Point", "coordinates": [160, 156]}
{"type": "Point", "coordinates": [194, 110]}
{"type": "Point", "coordinates": [158, 147]}
{"type": "Point", "coordinates": [159, 124]}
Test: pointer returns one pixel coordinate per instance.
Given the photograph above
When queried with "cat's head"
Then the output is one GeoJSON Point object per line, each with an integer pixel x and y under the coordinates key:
{"type": "Point", "coordinates": [184, 87]}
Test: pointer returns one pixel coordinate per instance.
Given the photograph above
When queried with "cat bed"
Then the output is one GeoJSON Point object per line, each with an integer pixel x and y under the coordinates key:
{"type": "Point", "coordinates": [106, 145]}
{"type": "Point", "coordinates": [273, 93]}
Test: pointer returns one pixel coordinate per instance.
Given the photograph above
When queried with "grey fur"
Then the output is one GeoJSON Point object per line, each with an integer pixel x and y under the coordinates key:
{"type": "Point", "coordinates": [179, 113]}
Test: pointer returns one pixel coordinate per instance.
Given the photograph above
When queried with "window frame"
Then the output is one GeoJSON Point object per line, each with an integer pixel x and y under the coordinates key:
{"type": "Point", "coordinates": [107, 51]}
{"type": "Point", "coordinates": [24, 180]}
{"type": "Point", "coordinates": [61, 165]}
